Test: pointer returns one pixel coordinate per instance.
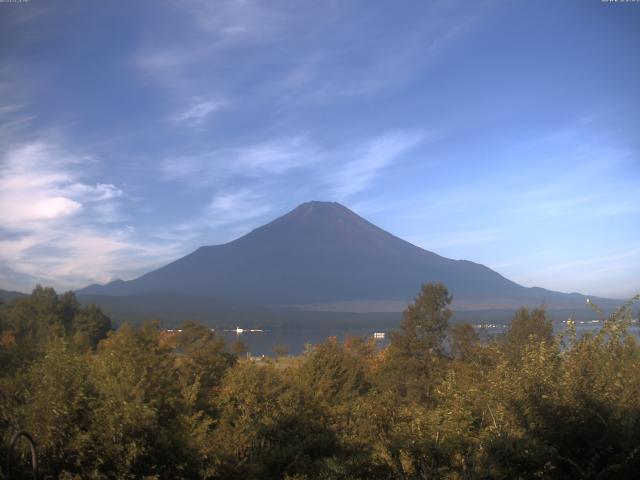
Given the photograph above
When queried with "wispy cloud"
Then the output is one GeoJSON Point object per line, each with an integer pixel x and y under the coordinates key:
{"type": "Point", "coordinates": [343, 171]}
{"type": "Point", "coordinates": [567, 200]}
{"type": "Point", "coordinates": [58, 228]}
{"type": "Point", "coordinates": [609, 271]}
{"type": "Point", "coordinates": [248, 181]}
{"type": "Point", "coordinates": [75, 256]}
{"type": "Point", "coordinates": [440, 241]}
{"type": "Point", "coordinates": [369, 160]}
{"type": "Point", "coordinates": [197, 113]}
{"type": "Point", "coordinates": [274, 157]}
{"type": "Point", "coordinates": [303, 52]}
{"type": "Point", "coordinates": [214, 29]}
{"type": "Point", "coordinates": [36, 184]}
{"type": "Point", "coordinates": [610, 259]}
{"type": "Point", "coordinates": [237, 207]}
{"type": "Point", "coordinates": [228, 215]}
{"type": "Point", "coordinates": [14, 115]}
{"type": "Point", "coordinates": [232, 20]}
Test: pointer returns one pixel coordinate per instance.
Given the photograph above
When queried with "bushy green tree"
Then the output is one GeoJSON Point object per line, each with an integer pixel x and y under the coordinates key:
{"type": "Point", "coordinates": [527, 327]}
{"type": "Point", "coordinates": [416, 350]}
{"type": "Point", "coordinates": [33, 320]}
{"type": "Point", "coordinates": [463, 342]}
{"type": "Point", "coordinates": [29, 323]}
{"type": "Point", "coordinates": [334, 374]}
{"type": "Point", "coordinates": [436, 403]}
{"type": "Point", "coordinates": [54, 400]}
{"type": "Point", "coordinates": [337, 375]}
{"type": "Point", "coordinates": [203, 360]}
{"type": "Point", "coordinates": [268, 426]}
{"type": "Point", "coordinates": [139, 412]}
{"type": "Point", "coordinates": [90, 325]}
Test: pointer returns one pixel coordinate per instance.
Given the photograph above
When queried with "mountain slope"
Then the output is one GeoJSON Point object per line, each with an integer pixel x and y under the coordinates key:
{"type": "Point", "coordinates": [8, 295]}
{"type": "Point", "coordinates": [323, 253]}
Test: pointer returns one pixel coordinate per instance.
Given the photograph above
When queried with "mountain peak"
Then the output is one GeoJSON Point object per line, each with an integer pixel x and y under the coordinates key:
{"type": "Point", "coordinates": [316, 221]}
{"type": "Point", "coordinates": [322, 252]}
{"type": "Point", "coordinates": [316, 206]}
{"type": "Point", "coordinates": [319, 204]}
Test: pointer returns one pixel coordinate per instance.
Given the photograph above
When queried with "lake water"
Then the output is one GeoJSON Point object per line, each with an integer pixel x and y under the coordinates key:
{"type": "Point", "coordinates": [263, 342]}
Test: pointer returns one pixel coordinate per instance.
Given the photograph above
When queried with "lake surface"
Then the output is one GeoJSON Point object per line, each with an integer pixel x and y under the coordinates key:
{"type": "Point", "coordinates": [263, 343]}
{"type": "Point", "coordinates": [295, 339]}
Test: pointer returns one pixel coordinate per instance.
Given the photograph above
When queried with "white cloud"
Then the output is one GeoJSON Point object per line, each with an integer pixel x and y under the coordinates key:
{"type": "Point", "coordinates": [38, 183]}
{"type": "Point", "coordinates": [344, 170]}
{"type": "Point", "coordinates": [198, 112]}
{"type": "Point", "coordinates": [15, 114]}
{"type": "Point", "coordinates": [569, 200]}
{"type": "Point", "coordinates": [299, 53]}
{"type": "Point", "coordinates": [214, 29]}
{"type": "Point", "coordinates": [31, 189]}
{"type": "Point", "coordinates": [341, 171]}
{"type": "Point", "coordinates": [235, 20]}
{"type": "Point", "coordinates": [50, 208]}
{"type": "Point", "coordinates": [274, 157]}
{"type": "Point", "coordinates": [56, 228]}
{"type": "Point", "coordinates": [607, 274]}
{"type": "Point", "coordinates": [95, 193]}
{"type": "Point", "coordinates": [443, 241]}
{"type": "Point", "coordinates": [611, 259]}
{"type": "Point", "coordinates": [11, 108]}
{"type": "Point", "coordinates": [369, 160]}
{"type": "Point", "coordinates": [229, 214]}
{"type": "Point", "coordinates": [79, 255]}
{"type": "Point", "coordinates": [236, 207]}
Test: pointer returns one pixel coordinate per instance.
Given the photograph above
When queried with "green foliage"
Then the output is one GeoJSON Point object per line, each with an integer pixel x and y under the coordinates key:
{"type": "Point", "coordinates": [435, 404]}
{"type": "Point", "coordinates": [55, 402]}
{"type": "Point", "coordinates": [526, 328]}
{"type": "Point", "coordinates": [29, 323]}
{"type": "Point", "coordinates": [138, 416]}
{"type": "Point", "coordinates": [90, 325]}
{"type": "Point", "coordinates": [268, 426]}
{"type": "Point", "coordinates": [203, 361]}
{"type": "Point", "coordinates": [336, 375]}
{"type": "Point", "coordinates": [425, 321]}
{"type": "Point", "coordinates": [463, 342]}
{"type": "Point", "coordinates": [416, 351]}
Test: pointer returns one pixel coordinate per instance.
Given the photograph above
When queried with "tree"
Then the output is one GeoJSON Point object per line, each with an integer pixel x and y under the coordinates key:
{"type": "Point", "coordinates": [334, 375]}
{"type": "Point", "coordinates": [204, 360]}
{"type": "Point", "coordinates": [416, 350]}
{"type": "Point", "coordinates": [67, 309]}
{"type": "Point", "coordinates": [35, 318]}
{"type": "Point", "coordinates": [90, 325]}
{"type": "Point", "coordinates": [425, 321]}
{"type": "Point", "coordinates": [30, 322]}
{"type": "Point", "coordinates": [463, 341]}
{"type": "Point", "coordinates": [140, 410]}
{"type": "Point", "coordinates": [268, 426]}
{"type": "Point", "coordinates": [55, 402]}
{"type": "Point", "coordinates": [527, 327]}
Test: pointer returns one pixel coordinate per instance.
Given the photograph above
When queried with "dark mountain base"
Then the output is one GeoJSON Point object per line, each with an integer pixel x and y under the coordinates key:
{"type": "Point", "coordinates": [172, 309]}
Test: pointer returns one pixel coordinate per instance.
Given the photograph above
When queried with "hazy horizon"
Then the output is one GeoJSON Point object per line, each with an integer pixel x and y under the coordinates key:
{"type": "Point", "coordinates": [505, 133]}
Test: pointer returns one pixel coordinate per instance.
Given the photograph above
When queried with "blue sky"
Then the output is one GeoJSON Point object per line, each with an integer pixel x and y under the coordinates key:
{"type": "Point", "coordinates": [503, 132]}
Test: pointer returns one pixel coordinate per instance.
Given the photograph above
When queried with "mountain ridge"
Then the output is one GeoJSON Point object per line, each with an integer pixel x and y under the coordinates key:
{"type": "Point", "coordinates": [322, 253]}
{"type": "Point", "coordinates": [8, 295]}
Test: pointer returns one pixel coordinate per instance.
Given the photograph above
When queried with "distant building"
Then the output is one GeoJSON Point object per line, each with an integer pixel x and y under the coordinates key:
{"type": "Point", "coordinates": [378, 335]}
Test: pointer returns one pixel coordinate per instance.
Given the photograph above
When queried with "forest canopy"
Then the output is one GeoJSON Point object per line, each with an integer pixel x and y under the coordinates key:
{"type": "Point", "coordinates": [138, 402]}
